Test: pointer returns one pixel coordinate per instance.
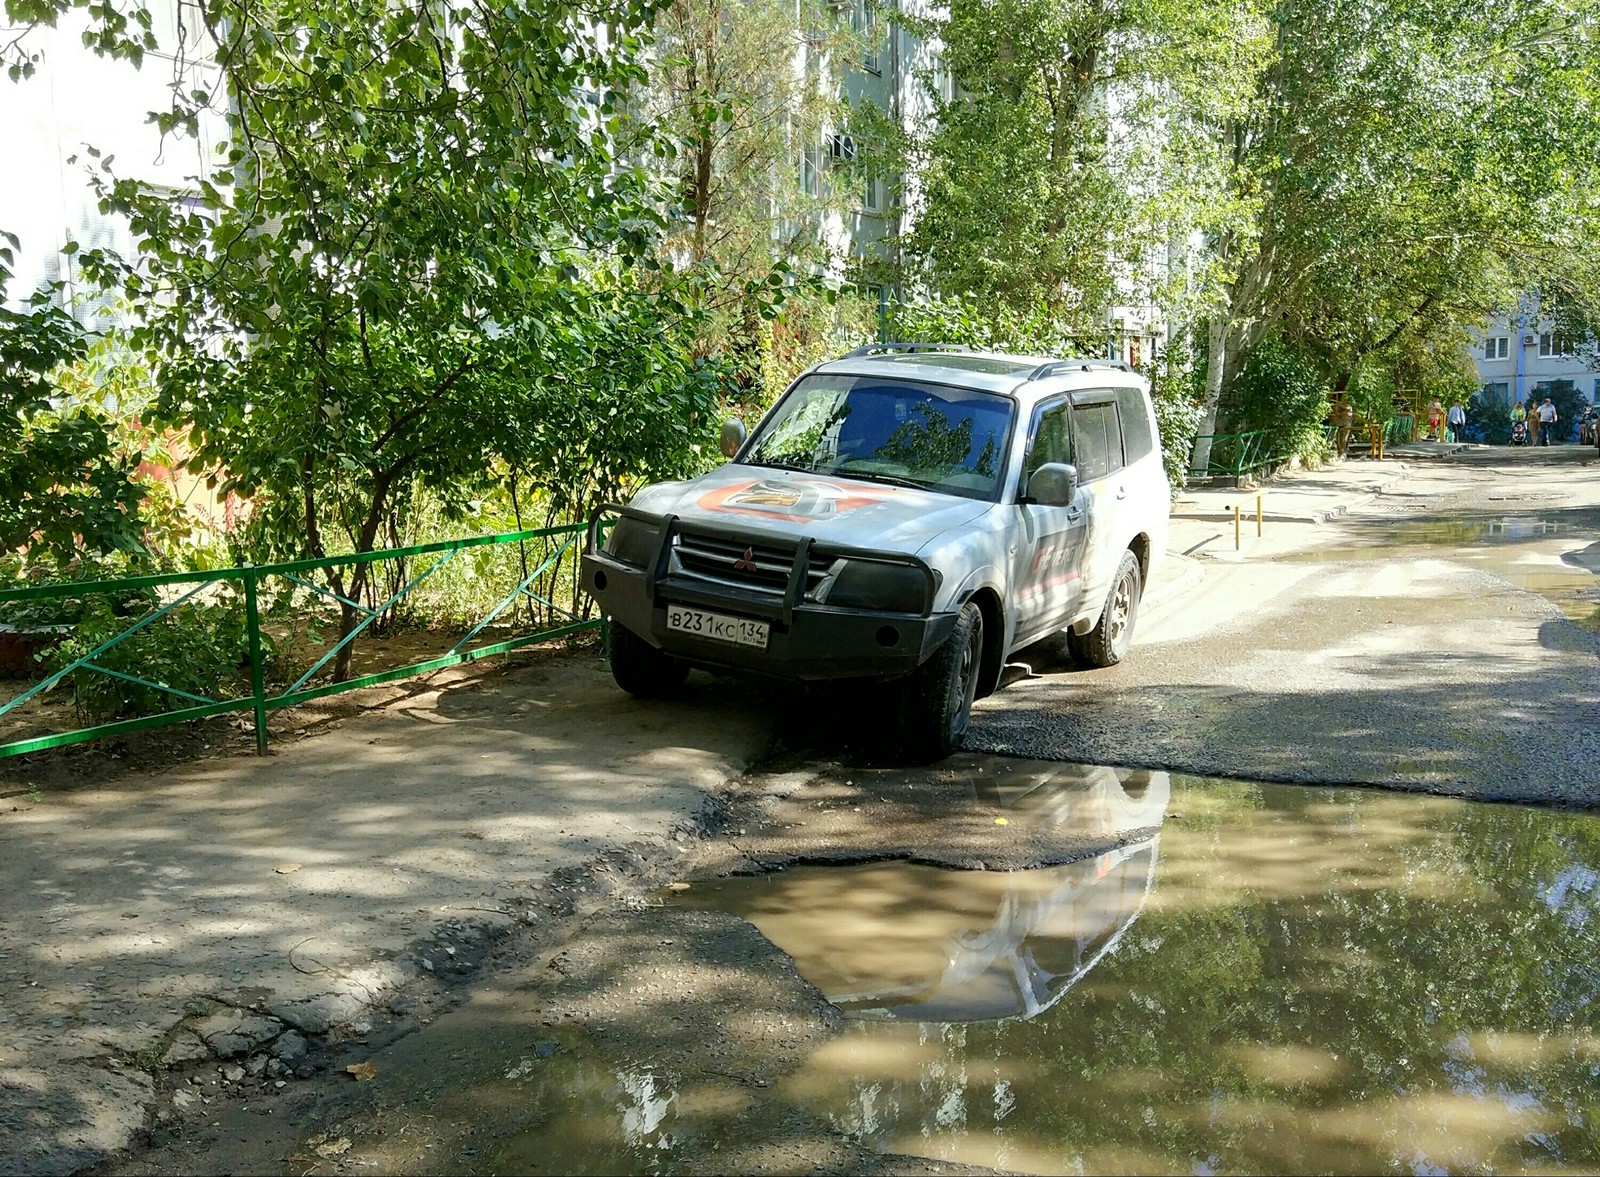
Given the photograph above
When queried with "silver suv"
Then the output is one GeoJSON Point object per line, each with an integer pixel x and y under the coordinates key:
{"type": "Point", "coordinates": [908, 513]}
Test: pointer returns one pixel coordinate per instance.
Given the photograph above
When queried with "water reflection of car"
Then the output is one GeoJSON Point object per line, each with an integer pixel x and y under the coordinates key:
{"type": "Point", "coordinates": [1054, 924]}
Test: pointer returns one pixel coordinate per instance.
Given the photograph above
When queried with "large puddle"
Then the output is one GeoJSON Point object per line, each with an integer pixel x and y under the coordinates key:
{"type": "Point", "coordinates": [1547, 556]}
{"type": "Point", "coordinates": [1271, 979]}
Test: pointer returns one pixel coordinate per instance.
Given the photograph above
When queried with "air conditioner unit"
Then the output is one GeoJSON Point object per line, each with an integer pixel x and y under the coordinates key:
{"type": "Point", "coordinates": [1527, 341]}
{"type": "Point", "coordinates": [841, 148]}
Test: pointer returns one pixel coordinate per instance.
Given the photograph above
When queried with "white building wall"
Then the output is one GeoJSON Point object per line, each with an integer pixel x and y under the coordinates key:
{"type": "Point", "coordinates": [74, 101]}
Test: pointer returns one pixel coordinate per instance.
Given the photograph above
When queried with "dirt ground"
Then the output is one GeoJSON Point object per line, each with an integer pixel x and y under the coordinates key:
{"type": "Point", "coordinates": [241, 912]}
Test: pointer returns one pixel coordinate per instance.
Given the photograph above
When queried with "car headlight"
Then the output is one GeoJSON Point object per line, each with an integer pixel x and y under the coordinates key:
{"type": "Point", "coordinates": [872, 584]}
{"type": "Point", "coordinates": [633, 541]}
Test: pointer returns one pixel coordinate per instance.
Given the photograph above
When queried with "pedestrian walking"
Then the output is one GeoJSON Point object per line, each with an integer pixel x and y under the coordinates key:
{"type": "Point", "coordinates": [1457, 418]}
{"type": "Point", "coordinates": [1547, 421]}
{"type": "Point", "coordinates": [1435, 420]}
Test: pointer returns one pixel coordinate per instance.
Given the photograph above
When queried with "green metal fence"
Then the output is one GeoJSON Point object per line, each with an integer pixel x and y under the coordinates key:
{"type": "Point", "coordinates": [561, 547]}
{"type": "Point", "coordinates": [1236, 454]}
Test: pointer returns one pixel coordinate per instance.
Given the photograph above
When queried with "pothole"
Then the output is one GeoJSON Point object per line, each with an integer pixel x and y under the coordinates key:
{"type": "Point", "coordinates": [1276, 980]}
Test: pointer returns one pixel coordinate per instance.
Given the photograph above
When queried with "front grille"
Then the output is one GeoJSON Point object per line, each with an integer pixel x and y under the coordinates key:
{"type": "Point", "coordinates": [764, 567]}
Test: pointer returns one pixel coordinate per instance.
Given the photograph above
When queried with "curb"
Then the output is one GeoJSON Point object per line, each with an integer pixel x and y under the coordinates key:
{"type": "Point", "coordinates": [1165, 590]}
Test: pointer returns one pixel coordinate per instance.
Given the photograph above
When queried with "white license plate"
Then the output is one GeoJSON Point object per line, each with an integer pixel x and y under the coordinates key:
{"type": "Point", "coordinates": [719, 627]}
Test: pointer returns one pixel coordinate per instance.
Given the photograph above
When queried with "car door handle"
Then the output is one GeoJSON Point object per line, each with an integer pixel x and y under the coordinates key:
{"type": "Point", "coordinates": [1074, 514]}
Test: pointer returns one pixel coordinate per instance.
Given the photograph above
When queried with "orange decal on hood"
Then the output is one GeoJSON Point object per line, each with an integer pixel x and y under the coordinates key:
{"type": "Point", "coordinates": [796, 501]}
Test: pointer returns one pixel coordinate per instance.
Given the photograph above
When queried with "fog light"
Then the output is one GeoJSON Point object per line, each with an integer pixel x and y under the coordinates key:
{"type": "Point", "coordinates": [888, 635]}
{"type": "Point", "coordinates": [599, 581]}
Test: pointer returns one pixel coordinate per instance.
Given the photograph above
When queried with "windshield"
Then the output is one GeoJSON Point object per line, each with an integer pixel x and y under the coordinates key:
{"type": "Point", "coordinates": [898, 431]}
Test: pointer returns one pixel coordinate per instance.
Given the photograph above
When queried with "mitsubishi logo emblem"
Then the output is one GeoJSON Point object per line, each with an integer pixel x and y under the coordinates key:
{"type": "Point", "coordinates": [746, 562]}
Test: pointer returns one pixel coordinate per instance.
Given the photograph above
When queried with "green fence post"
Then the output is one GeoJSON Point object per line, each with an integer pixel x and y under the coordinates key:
{"type": "Point", "coordinates": [258, 672]}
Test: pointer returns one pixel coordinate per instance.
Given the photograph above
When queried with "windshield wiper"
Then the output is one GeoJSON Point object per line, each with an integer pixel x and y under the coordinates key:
{"type": "Point", "coordinates": [874, 476]}
{"type": "Point", "coordinates": [771, 465]}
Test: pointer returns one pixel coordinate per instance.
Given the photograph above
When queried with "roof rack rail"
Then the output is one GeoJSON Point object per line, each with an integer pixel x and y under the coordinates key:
{"type": "Point", "coordinates": [1062, 367]}
{"type": "Point", "coordinates": [908, 348]}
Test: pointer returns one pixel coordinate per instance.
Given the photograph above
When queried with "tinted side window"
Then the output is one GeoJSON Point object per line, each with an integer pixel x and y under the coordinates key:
{"type": "Point", "coordinates": [1138, 437]}
{"type": "Point", "coordinates": [1099, 440]}
{"type": "Point", "coordinates": [1052, 439]}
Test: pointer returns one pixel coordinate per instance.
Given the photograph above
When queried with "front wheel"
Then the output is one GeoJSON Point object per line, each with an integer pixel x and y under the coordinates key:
{"type": "Point", "coordinates": [642, 670]}
{"type": "Point", "coordinates": [937, 703]}
{"type": "Point", "coordinates": [1112, 636]}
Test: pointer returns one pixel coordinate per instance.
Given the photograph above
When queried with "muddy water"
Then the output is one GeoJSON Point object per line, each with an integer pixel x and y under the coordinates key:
{"type": "Point", "coordinates": [1551, 557]}
{"type": "Point", "coordinates": [1275, 980]}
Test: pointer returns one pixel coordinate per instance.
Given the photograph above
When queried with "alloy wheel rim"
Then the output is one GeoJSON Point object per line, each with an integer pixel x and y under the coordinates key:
{"type": "Point", "coordinates": [1121, 607]}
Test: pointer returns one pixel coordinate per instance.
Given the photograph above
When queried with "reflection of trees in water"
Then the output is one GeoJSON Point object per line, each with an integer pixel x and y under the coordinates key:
{"type": "Point", "coordinates": [928, 443]}
{"type": "Point", "coordinates": [1453, 962]}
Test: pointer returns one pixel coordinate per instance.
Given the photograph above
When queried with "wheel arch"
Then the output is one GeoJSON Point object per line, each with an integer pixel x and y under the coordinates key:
{"type": "Point", "coordinates": [1140, 547]}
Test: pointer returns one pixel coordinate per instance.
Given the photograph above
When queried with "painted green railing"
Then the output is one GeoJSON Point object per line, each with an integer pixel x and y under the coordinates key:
{"type": "Point", "coordinates": [562, 545]}
{"type": "Point", "coordinates": [1236, 454]}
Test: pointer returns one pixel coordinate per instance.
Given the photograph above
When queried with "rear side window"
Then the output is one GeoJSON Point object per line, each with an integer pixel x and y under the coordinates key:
{"type": "Point", "coordinates": [1099, 440]}
{"type": "Point", "coordinates": [1138, 438]}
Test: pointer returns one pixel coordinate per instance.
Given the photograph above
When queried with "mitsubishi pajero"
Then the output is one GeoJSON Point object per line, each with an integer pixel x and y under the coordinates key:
{"type": "Point", "coordinates": [910, 514]}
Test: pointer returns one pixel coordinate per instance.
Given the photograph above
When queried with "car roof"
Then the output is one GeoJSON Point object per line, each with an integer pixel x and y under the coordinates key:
{"type": "Point", "coordinates": [988, 371]}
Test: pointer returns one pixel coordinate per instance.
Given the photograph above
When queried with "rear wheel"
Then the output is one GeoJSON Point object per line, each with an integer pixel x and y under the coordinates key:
{"type": "Point", "coordinates": [1108, 642]}
{"type": "Point", "coordinates": [642, 670]}
{"type": "Point", "coordinates": [937, 703]}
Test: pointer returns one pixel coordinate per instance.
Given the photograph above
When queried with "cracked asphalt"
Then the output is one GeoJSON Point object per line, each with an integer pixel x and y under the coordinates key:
{"type": "Point", "coordinates": [197, 956]}
{"type": "Point", "coordinates": [1407, 653]}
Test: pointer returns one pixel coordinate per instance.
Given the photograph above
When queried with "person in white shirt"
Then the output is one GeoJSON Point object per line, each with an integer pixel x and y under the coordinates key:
{"type": "Point", "coordinates": [1547, 421]}
{"type": "Point", "coordinates": [1457, 418]}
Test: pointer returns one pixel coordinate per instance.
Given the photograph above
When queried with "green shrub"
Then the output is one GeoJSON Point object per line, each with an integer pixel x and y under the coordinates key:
{"type": "Point", "coordinates": [1177, 393]}
{"type": "Point", "coordinates": [985, 326]}
{"type": "Point", "coordinates": [1489, 414]}
{"type": "Point", "coordinates": [201, 648]}
{"type": "Point", "coordinates": [1281, 391]}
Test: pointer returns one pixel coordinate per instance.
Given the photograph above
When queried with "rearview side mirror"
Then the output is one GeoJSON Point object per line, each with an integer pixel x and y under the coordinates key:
{"type": "Point", "coordinates": [732, 437]}
{"type": "Point", "coordinates": [1055, 484]}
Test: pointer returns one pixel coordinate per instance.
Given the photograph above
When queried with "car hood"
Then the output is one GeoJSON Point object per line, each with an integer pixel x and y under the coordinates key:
{"type": "Point", "coordinates": [846, 511]}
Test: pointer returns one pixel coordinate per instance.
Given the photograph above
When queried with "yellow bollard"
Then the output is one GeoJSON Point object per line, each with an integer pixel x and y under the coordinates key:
{"type": "Point", "coordinates": [1258, 516]}
{"type": "Point", "coordinates": [1236, 527]}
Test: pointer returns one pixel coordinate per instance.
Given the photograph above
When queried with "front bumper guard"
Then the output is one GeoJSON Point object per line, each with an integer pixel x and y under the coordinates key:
{"type": "Point", "coordinates": [806, 641]}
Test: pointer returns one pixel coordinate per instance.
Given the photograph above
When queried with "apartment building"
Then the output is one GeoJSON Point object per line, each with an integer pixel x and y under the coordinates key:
{"type": "Point", "coordinates": [78, 100]}
{"type": "Point", "coordinates": [1520, 355]}
{"type": "Point", "coordinates": [51, 125]}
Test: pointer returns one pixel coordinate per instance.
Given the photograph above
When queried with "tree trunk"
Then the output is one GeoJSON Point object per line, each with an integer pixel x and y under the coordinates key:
{"type": "Point", "coordinates": [365, 542]}
{"type": "Point", "coordinates": [1217, 340]}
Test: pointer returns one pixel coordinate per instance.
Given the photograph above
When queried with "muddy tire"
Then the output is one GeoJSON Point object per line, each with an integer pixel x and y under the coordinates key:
{"type": "Point", "coordinates": [1108, 642]}
{"type": "Point", "coordinates": [641, 669]}
{"type": "Point", "coordinates": [937, 702]}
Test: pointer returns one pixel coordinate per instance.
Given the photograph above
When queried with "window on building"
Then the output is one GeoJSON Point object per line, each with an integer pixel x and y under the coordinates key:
{"type": "Point", "coordinates": [1497, 391]}
{"type": "Point", "coordinates": [811, 163]}
{"type": "Point", "coordinates": [1496, 347]}
{"type": "Point", "coordinates": [179, 28]}
{"type": "Point", "coordinates": [871, 194]}
{"type": "Point", "coordinates": [1551, 344]}
{"type": "Point", "coordinates": [864, 22]}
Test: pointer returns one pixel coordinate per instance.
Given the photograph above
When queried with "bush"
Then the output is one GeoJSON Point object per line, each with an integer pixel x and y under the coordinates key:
{"type": "Point", "coordinates": [985, 326]}
{"type": "Point", "coordinates": [1281, 391]}
{"type": "Point", "coordinates": [201, 648]}
{"type": "Point", "coordinates": [1177, 393]}
{"type": "Point", "coordinates": [1490, 415]}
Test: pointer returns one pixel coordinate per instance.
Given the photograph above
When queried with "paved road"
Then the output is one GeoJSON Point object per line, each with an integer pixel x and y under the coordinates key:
{"type": "Point", "coordinates": [159, 936]}
{"type": "Point", "coordinates": [1397, 645]}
